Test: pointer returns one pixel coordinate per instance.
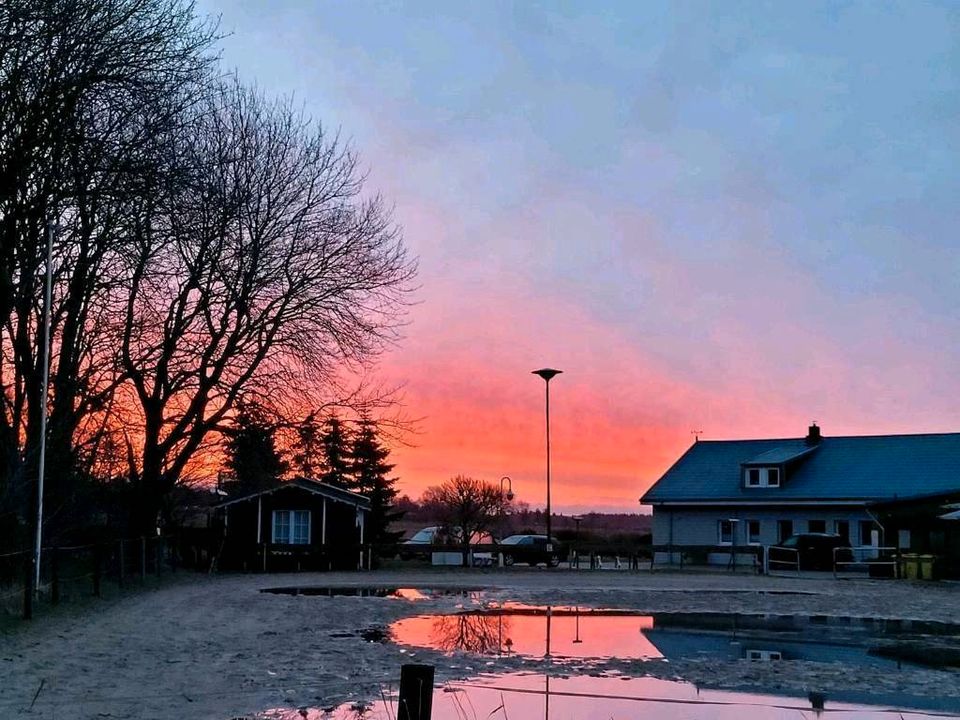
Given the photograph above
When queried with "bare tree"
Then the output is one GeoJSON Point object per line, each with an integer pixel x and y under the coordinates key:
{"type": "Point", "coordinates": [262, 275]}
{"type": "Point", "coordinates": [467, 505]}
{"type": "Point", "coordinates": [87, 87]}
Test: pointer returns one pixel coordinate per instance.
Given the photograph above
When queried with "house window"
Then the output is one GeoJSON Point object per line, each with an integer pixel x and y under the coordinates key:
{"type": "Point", "coordinates": [725, 532]}
{"type": "Point", "coordinates": [784, 529]}
{"type": "Point", "coordinates": [817, 526]}
{"type": "Point", "coordinates": [842, 528]}
{"type": "Point", "coordinates": [866, 532]}
{"type": "Point", "coordinates": [291, 527]}
{"type": "Point", "coordinates": [753, 532]}
{"type": "Point", "coordinates": [903, 539]}
{"type": "Point", "coordinates": [762, 477]}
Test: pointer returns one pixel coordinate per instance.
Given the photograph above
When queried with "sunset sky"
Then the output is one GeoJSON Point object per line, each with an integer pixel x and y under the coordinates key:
{"type": "Point", "coordinates": [719, 216]}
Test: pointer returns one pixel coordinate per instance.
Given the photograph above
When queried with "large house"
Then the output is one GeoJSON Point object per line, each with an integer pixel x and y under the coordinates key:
{"type": "Point", "coordinates": [735, 493]}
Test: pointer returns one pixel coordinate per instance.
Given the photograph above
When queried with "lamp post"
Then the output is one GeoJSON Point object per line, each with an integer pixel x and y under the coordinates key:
{"type": "Point", "coordinates": [548, 374]}
{"type": "Point", "coordinates": [508, 496]}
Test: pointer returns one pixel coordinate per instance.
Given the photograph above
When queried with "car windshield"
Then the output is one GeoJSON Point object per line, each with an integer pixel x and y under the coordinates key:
{"type": "Point", "coordinates": [513, 540]}
{"type": "Point", "coordinates": [791, 541]}
{"type": "Point", "coordinates": [425, 535]}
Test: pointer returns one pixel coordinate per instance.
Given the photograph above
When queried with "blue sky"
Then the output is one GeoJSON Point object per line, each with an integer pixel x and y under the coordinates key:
{"type": "Point", "coordinates": [734, 216]}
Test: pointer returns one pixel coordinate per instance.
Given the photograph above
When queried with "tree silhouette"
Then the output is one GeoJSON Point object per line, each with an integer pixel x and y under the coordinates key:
{"type": "Point", "coordinates": [336, 454]}
{"type": "Point", "coordinates": [467, 505]}
{"type": "Point", "coordinates": [252, 455]}
{"type": "Point", "coordinates": [370, 475]}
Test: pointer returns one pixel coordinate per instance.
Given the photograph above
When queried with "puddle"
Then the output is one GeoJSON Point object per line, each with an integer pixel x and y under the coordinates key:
{"type": "Point", "coordinates": [570, 632]}
{"type": "Point", "coordinates": [529, 696]}
{"type": "Point", "coordinates": [378, 592]}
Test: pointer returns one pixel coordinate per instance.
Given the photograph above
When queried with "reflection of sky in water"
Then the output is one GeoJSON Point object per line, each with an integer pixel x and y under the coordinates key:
{"type": "Point", "coordinates": [525, 696]}
{"type": "Point", "coordinates": [569, 634]}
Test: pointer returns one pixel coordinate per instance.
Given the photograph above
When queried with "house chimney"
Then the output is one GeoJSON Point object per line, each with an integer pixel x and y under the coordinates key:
{"type": "Point", "coordinates": [813, 434]}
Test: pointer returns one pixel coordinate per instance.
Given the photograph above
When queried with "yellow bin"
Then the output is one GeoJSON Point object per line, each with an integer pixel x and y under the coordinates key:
{"type": "Point", "coordinates": [911, 566]}
{"type": "Point", "coordinates": [926, 567]}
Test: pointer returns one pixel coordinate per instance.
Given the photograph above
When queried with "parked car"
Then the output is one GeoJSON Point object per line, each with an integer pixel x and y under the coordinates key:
{"type": "Point", "coordinates": [815, 551]}
{"type": "Point", "coordinates": [439, 535]}
{"type": "Point", "coordinates": [531, 549]}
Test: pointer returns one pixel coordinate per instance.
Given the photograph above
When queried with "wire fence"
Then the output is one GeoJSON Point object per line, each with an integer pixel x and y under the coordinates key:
{"type": "Point", "coordinates": [75, 572]}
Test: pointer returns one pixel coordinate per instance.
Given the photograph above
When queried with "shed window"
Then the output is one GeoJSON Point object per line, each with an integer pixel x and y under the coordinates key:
{"type": "Point", "coordinates": [291, 527]}
{"type": "Point", "coordinates": [773, 477]}
{"type": "Point", "coordinates": [725, 532]}
{"type": "Point", "coordinates": [753, 532]}
{"type": "Point", "coordinates": [753, 477]}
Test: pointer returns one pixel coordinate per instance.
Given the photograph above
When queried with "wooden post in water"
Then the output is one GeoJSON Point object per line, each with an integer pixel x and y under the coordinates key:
{"type": "Point", "coordinates": [416, 692]}
{"type": "Point", "coordinates": [120, 564]}
{"type": "Point", "coordinates": [143, 560]}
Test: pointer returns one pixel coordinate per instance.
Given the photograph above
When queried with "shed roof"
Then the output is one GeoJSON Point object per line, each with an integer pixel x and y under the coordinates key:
{"type": "Point", "coordinates": [330, 492]}
{"type": "Point", "coordinates": [868, 468]}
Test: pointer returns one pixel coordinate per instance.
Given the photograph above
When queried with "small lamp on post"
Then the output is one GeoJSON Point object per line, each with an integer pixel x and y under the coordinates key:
{"type": "Point", "coordinates": [548, 374]}
{"type": "Point", "coordinates": [508, 497]}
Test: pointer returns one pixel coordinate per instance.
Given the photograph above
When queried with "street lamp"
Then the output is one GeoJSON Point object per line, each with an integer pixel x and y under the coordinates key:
{"type": "Point", "coordinates": [548, 374]}
{"type": "Point", "coordinates": [508, 496]}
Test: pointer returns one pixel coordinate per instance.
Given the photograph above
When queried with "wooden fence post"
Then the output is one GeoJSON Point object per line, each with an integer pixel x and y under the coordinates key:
{"type": "Point", "coordinates": [54, 576]}
{"type": "Point", "coordinates": [416, 692]}
{"type": "Point", "coordinates": [28, 563]}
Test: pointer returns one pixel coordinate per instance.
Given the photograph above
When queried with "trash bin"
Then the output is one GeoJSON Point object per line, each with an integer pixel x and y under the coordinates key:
{"type": "Point", "coordinates": [926, 567]}
{"type": "Point", "coordinates": [911, 566]}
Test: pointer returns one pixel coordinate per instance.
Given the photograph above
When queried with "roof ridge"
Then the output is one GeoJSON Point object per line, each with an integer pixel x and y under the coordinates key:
{"type": "Point", "coordinates": [832, 437]}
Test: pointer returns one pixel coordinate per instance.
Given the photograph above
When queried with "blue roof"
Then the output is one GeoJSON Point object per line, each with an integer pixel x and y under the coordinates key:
{"type": "Point", "coordinates": [869, 468]}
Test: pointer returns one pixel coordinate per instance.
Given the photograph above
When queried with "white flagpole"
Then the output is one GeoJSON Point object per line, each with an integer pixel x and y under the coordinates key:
{"type": "Point", "coordinates": [43, 403]}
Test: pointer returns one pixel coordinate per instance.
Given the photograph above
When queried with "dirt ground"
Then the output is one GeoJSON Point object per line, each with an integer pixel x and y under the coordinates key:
{"type": "Point", "coordinates": [216, 647]}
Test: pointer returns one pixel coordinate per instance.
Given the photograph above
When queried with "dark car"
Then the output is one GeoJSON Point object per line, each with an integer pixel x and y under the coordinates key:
{"type": "Point", "coordinates": [815, 551]}
{"type": "Point", "coordinates": [531, 549]}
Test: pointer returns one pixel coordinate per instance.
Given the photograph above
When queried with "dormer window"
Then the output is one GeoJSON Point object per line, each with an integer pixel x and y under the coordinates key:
{"type": "Point", "coordinates": [760, 477]}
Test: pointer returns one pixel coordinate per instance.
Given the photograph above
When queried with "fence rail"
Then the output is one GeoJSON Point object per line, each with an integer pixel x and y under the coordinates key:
{"type": "Point", "coordinates": [74, 571]}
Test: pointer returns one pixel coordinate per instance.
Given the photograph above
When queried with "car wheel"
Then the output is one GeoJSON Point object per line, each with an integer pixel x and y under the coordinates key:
{"type": "Point", "coordinates": [508, 560]}
{"type": "Point", "coordinates": [554, 560]}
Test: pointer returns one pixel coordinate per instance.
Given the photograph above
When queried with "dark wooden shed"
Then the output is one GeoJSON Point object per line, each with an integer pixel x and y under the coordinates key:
{"type": "Point", "coordinates": [299, 525]}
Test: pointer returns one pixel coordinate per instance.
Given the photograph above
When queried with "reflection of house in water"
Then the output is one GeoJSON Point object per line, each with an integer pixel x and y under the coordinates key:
{"type": "Point", "coordinates": [851, 642]}
{"type": "Point", "coordinates": [735, 637]}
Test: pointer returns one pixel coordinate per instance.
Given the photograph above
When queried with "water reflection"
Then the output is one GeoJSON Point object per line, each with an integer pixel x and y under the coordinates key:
{"type": "Point", "coordinates": [533, 696]}
{"type": "Point", "coordinates": [532, 632]}
{"type": "Point", "coordinates": [571, 632]}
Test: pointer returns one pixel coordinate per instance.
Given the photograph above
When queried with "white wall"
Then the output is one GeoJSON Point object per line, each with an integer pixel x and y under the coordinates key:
{"type": "Point", "coordinates": [698, 526]}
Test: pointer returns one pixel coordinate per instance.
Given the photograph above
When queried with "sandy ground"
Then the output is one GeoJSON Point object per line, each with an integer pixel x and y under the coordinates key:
{"type": "Point", "coordinates": [215, 647]}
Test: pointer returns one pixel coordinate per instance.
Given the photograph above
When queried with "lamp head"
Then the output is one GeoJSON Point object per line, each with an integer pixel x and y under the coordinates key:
{"type": "Point", "coordinates": [547, 373]}
{"type": "Point", "coordinates": [509, 495]}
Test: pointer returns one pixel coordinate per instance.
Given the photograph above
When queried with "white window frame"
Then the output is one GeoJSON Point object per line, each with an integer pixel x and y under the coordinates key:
{"type": "Point", "coordinates": [293, 525]}
{"type": "Point", "coordinates": [289, 538]}
{"type": "Point", "coordinates": [746, 527]}
{"type": "Point", "coordinates": [720, 540]}
{"type": "Point", "coordinates": [763, 477]}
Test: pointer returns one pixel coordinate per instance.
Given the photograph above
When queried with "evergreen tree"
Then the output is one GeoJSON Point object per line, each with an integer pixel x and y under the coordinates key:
{"type": "Point", "coordinates": [371, 477]}
{"type": "Point", "coordinates": [252, 455]}
{"type": "Point", "coordinates": [336, 454]}
{"type": "Point", "coordinates": [309, 455]}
